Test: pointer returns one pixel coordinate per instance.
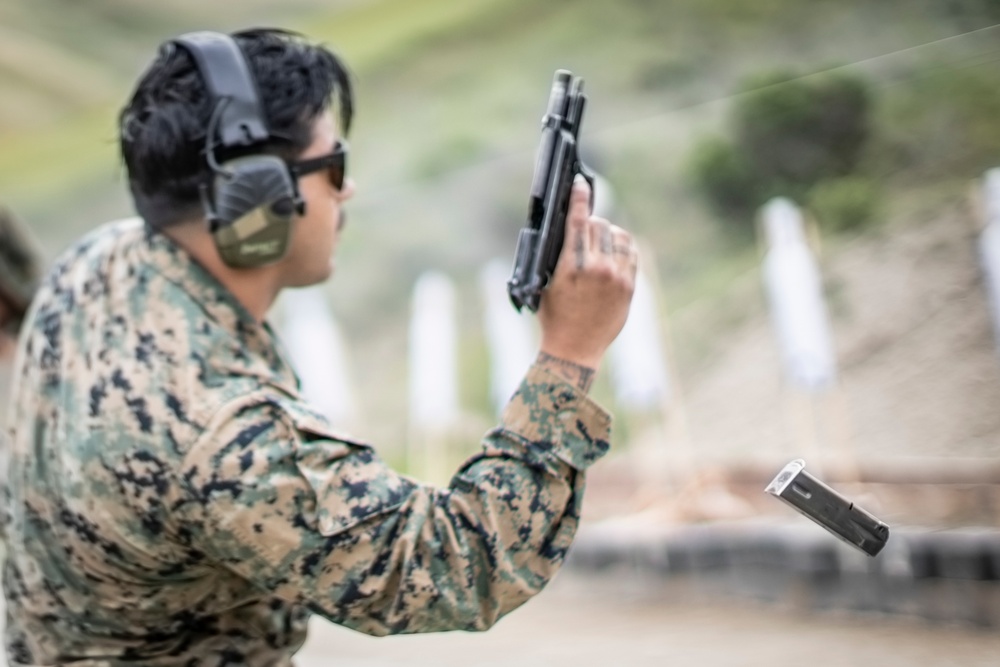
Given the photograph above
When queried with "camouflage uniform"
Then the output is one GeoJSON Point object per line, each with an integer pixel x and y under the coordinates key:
{"type": "Point", "coordinates": [174, 501]}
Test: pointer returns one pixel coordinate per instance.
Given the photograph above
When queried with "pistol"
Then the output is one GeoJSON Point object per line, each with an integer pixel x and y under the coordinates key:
{"type": "Point", "coordinates": [828, 508]}
{"type": "Point", "coordinates": [556, 165]}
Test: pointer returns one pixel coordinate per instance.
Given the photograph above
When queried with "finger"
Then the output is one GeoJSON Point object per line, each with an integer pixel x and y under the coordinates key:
{"type": "Point", "coordinates": [625, 252]}
{"type": "Point", "coordinates": [601, 238]}
{"type": "Point", "coordinates": [577, 242]}
{"type": "Point", "coordinates": [622, 246]}
{"type": "Point", "coordinates": [579, 198]}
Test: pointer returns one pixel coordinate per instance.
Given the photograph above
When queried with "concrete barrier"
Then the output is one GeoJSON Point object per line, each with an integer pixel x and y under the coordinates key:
{"type": "Point", "coordinates": [942, 576]}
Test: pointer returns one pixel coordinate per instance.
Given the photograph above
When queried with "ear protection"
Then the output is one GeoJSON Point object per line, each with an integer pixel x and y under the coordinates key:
{"type": "Point", "coordinates": [251, 201]}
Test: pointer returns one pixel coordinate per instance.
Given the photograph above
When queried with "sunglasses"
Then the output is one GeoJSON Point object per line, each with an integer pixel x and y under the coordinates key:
{"type": "Point", "coordinates": [334, 163]}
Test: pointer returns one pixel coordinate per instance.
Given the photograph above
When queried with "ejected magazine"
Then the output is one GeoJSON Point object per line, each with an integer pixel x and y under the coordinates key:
{"type": "Point", "coordinates": [828, 508]}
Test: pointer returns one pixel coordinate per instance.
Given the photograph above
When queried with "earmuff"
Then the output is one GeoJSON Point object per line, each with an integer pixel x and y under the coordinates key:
{"type": "Point", "coordinates": [251, 201]}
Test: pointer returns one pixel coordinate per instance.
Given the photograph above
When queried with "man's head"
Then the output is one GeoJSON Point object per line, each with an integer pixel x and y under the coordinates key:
{"type": "Point", "coordinates": [168, 138]}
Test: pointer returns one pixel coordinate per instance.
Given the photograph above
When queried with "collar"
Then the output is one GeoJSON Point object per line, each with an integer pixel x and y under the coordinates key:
{"type": "Point", "coordinates": [257, 350]}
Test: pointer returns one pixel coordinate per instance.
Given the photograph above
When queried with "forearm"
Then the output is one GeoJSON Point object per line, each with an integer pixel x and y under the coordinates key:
{"type": "Point", "coordinates": [462, 557]}
{"type": "Point", "coordinates": [457, 558]}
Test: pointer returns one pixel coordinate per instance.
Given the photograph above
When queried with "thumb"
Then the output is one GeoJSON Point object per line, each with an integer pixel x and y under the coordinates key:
{"type": "Point", "coordinates": [579, 199]}
{"type": "Point", "coordinates": [577, 214]}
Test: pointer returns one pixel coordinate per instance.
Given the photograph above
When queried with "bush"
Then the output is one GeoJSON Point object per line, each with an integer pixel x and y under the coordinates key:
{"type": "Point", "coordinates": [799, 131]}
{"type": "Point", "coordinates": [725, 177]}
{"type": "Point", "coordinates": [845, 204]}
{"type": "Point", "coordinates": [791, 135]}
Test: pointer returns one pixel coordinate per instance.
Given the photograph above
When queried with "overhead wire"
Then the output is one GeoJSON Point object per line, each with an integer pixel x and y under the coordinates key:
{"type": "Point", "coordinates": [595, 134]}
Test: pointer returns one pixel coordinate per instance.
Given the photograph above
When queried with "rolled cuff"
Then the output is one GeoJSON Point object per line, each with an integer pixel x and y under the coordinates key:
{"type": "Point", "coordinates": [557, 418]}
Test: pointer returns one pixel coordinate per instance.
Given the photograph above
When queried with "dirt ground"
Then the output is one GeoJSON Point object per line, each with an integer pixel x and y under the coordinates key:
{"type": "Point", "coordinates": [581, 621]}
{"type": "Point", "coordinates": [626, 620]}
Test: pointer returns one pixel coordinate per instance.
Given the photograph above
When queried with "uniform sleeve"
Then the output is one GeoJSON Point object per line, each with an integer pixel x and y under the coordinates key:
{"type": "Point", "coordinates": [322, 521]}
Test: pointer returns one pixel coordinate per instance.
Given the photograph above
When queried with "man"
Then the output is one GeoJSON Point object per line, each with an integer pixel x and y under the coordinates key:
{"type": "Point", "coordinates": [174, 501]}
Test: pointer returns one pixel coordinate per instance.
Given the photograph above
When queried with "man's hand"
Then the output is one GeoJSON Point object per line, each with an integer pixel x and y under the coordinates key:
{"type": "Point", "coordinates": [586, 304]}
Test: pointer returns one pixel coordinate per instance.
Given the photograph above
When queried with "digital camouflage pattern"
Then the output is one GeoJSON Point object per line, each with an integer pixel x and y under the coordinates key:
{"type": "Point", "coordinates": [174, 501]}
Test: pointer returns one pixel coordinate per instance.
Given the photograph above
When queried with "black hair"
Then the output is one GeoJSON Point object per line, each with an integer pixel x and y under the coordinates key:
{"type": "Point", "coordinates": [162, 128]}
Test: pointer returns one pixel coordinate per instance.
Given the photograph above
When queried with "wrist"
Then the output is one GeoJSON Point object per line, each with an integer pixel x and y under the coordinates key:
{"type": "Point", "coordinates": [577, 372]}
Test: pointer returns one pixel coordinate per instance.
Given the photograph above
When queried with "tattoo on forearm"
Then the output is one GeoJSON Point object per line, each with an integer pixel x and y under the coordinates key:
{"type": "Point", "coordinates": [581, 376]}
{"type": "Point", "coordinates": [578, 248]}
